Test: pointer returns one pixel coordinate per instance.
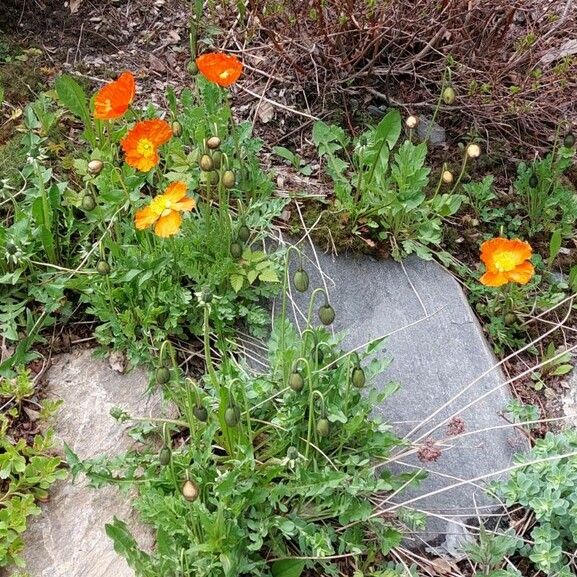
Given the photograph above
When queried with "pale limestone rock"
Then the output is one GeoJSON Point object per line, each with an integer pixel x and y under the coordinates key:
{"type": "Point", "coordinates": [69, 540]}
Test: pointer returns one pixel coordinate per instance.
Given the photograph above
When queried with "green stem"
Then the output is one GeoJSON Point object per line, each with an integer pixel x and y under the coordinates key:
{"type": "Point", "coordinates": [285, 368]}
{"type": "Point", "coordinates": [312, 302]}
{"type": "Point", "coordinates": [440, 183]}
{"type": "Point", "coordinates": [207, 353]}
{"type": "Point", "coordinates": [437, 107]}
{"type": "Point", "coordinates": [195, 18]}
{"type": "Point", "coordinates": [461, 173]}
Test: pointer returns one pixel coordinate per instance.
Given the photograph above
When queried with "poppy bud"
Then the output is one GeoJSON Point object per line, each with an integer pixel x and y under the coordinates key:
{"type": "Point", "coordinates": [206, 163]}
{"type": "Point", "coordinates": [449, 95]}
{"type": "Point", "coordinates": [192, 67]}
{"type": "Point", "coordinates": [228, 179]}
{"type": "Point", "coordinates": [447, 176]}
{"type": "Point", "coordinates": [232, 416]}
{"type": "Point", "coordinates": [213, 142]}
{"type": "Point", "coordinates": [164, 456]}
{"type": "Point", "coordinates": [162, 375]}
{"type": "Point", "coordinates": [323, 427]}
{"type": "Point", "coordinates": [102, 267]}
{"type": "Point", "coordinates": [412, 122]}
{"type": "Point", "coordinates": [296, 381]}
{"type": "Point", "coordinates": [95, 167]}
{"type": "Point", "coordinates": [569, 140]}
{"type": "Point", "coordinates": [189, 491]}
{"type": "Point", "coordinates": [200, 412]}
{"type": "Point", "coordinates": [327, 314]}
{"type": "Point", "coordinates": [88, 203]}
{"type": "Point", "coordinates": [358, 378]}
{"type": "Point", "coordinates": [176, 128]}
{"type": "Point", "coordinates": [217, 159]}
{"type": "Point", "coordinates": [11, 248]}
{"type": "Point", "coordinates": [235, 249]}
{"type": "Point", "coordinates": [243, 233]}
{"type": "Point", "coordinates": [301, 280]}
{"type": "Point", "coordinates": [533, 181]}
{"type": "Point", "coordinates": [473, 151]}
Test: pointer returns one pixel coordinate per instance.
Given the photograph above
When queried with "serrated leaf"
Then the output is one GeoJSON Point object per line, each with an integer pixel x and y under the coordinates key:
{"type": "Point", "coordinates": [268, 275]}
{"type": "Point", "coordinates": [236, 281]}
{"type": "Point", "coordinates": [288, 568]}
{"type": "Point", "coordinates": [74, 463]}
{"type": "Point", "coordinates": [48, 243]}
{"type": "Point", "coordinates": [251, 276]}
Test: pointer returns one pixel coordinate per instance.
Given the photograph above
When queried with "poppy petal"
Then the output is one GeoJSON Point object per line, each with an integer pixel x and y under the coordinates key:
{"type": "Point", "coordinates": [144, 218]}
{"type": "Point", "coordinates": [222, 69]}
{"type": "Point", "coordinates": [168, 225]}
{"type": "Point", "coordinates": [516, 252]}
{"type": "Point", "coordinates": [494, 279]}
{"type": "Point", "coordinates": [175, 191]}
{"type": "Point", "coordinates": [185, 205]}
{"type": "Point", "coordinates": [159, 131]}
{"type": "Point", "coordinates": [142, 163]}
{"type": "Point", "coordinates": [113, 99]}
{"type": "Point", "coordinates": [523, 273]}
{"type": "Point", "coordinates": [127, 86]}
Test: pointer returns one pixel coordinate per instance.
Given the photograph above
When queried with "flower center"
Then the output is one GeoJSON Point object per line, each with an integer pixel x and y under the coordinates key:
{"type": "Point", "coordinates": [167, 208]}
{"type": "Point", "coordinates": [161, 206]}
{"type": "Point", "coordinates": [505, 261]}
{"type": "Point", "coordinates": [225, 74]}
{"type": "Point", "coordinates": [145, 147]}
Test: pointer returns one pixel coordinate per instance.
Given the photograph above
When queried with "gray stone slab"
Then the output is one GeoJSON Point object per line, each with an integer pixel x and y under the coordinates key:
{"type": "Point", "coordinates": [68, 540]}
{"type": "Point", "coordinates": [437, 349]}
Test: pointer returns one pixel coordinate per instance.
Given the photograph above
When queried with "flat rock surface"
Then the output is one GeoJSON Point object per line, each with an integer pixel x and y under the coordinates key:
{"type": "Point", "coordinates": [437, 350]}
{"type": "Point", "coordinates": [68, 540]}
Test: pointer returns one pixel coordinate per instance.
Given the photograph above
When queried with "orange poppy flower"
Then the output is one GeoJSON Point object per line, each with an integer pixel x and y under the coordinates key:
{"type": "Point", "coordinates": [222, 69]}
{"type": "Point", "coordinates": [506, 261]}
{"type": "Point", "coordinates": [164, 210]}
{"type": "Point", "coordinates": [113, 100]}
{"type": "Point", "coordinates": [141, 144]}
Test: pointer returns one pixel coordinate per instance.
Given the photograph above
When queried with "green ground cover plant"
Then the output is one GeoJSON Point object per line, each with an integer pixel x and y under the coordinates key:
{"type": "Point", "coordinates": [275, 472]}
{"type": "Point", "coordinates": [69, 240]}
{"type": "Point", "coordinates": [547, 489]}
{"type": "Point", "coordinates": [27, 469]}
{"type": "Point", "coordinates": [272, 474]}
{"type": "Point", "coordinates": [152, 224]}
{"type": "Point", "coordinates": [384, 188]}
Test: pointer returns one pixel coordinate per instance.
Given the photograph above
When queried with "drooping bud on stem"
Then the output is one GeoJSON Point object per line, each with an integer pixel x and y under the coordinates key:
{"type": "Point", "coordinates": [412, 122]}
{"type": "Point", "coordinates": [473, 151]}
{"type": "Point", "coordinates": [95, 167]}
